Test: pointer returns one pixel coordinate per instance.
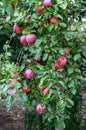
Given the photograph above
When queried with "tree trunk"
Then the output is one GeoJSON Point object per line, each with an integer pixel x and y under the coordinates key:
{"type": "Point", "coordinates": [61, 128]}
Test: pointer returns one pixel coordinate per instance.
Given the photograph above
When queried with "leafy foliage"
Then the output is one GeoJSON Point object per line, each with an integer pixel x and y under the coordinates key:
{"type": "Point", "coordinates": [52, 41]}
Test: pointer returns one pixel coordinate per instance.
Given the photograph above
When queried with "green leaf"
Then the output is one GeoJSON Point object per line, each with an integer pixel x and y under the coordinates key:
{"type": "Point", "coordinates": [62, 4]}
{"type": "Point", "coordinates": [57, 122]}
{"type": "Point", "coordinates": [24, 97]}
{"type": "Point", "coordinates": [70, 101]}
{"type": "Point", "coordinates": [59, 2]}
{"type": "Point", "coordinates": [84, 53]}
{"type": "Point", "coordinates": [38, 42]}
{"type": "Point", "coordinates": [61, 51]}
{"type": "Point", "coordinates": [77, 56]}
{"type": "Point", "coordinates": [62, 83]}
{"type": "Point", "coordinates": [71, 84]}
{"type": "Point", "coordinates": [9, 9]}
{"type": "Point", "coordinates": [44, 80]}
{"type": "Point", "coordinates": [62, 25]}
{"type": "Point", "coordinates": [73, 91]}
{"type": "Point", "coordinates": [38, 54]}
{"type": "Point", "coordinates": [22, 67]}
{"type": "Point", "coordinates": [45, 56]}
{"type": "Point", "coordinates": [26, 30]}
{"type": "Point", "coordinates": [70, 70]}
{"type": "Point", "coordinates": [48, 95]}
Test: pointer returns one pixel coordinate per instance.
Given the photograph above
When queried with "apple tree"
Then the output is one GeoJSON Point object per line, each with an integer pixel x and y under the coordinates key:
{"type": "Point", "coordinates": [41, 56]}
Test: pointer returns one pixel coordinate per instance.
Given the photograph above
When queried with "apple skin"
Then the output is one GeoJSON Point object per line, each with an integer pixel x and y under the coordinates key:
{"type": "Point", "coordinates": [28, 74]}
{"type": "Point", "coordinates": [40, 109]}
{"type": "Point", "coordinates": [45, 91]}
{"type": "Point", "coordinates": [62, 61]}
{"type": "Point", "coordinates": [47, 3]}
{"type": "Point", "coordinates": [53, 20]}
{"type": "Point", "coordinates": [67, 51]}
{"type": "Point", "coordinates": [17, 29]}
{"type": "Point", "coordinates": [38, 60]}
{"type": "Point", "coordinates": [57, 67]}
{"type": "Point", "coordinates": [31, 39]}
{"type": "Point", "coordinates": [13, 6]}
{"type": "Point", "coordinates": [38, 9]}
{"type": "Point", "coordinates": [23, 39]}
{"type": "Point", "coordinates": [25, 89]}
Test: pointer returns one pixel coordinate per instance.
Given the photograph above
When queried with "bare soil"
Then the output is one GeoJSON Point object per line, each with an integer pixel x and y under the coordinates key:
{"type": "Point", "coordinates": [12, 120]}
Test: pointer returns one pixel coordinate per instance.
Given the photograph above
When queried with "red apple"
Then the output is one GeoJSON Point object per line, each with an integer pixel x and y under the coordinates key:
{"type": "Point", "coordinates": [31, 39]}
{"type": "Point", "coordinates": [67, 51]}
{"type": "Point", "coordinates": [40, 109]}
{"type": "Point", "coordinates": [47, 3]}
{"type": "Point", "coordinates": [57, 66]}
{"type": "Point", "coordinates": [13, 6]}
{"type": "Point", "coordinates": [40, 8]}
{"type": "Point", "coordinates": [45, 91]}
{"type": "Point", "coordinates": [62, 61]}
{"type": "Point", "coordinates": [28, 74]}
{"type": "Point", "coordinates": [38, 60]}
{"type": "Point", "coordinates": [23, 39]}
{"type": "Point", "coordinates": [17, 29]}
{"type": "Point", "coordinates": [26, 89]}
{"type": "Point", "coordinates": [53, 20]}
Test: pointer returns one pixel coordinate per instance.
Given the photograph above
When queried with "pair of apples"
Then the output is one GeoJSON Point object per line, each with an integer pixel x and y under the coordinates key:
{"type": "Point", "coordinates": [30, 38]}
{"type": "Point", "coordinates": [40, 7]}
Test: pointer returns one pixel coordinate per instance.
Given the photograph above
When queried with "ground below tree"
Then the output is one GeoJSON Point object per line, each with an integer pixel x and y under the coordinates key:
{"type": "Point", "coordinates": [12, 120]}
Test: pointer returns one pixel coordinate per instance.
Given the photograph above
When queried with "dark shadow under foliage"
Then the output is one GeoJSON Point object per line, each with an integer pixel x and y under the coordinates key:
{"type": "Point", "coordinates": [75, 113]}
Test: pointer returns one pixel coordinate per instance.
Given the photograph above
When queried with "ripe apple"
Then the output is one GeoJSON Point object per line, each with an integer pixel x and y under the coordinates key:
{"type": "Point", "coordinates": [23, 39]}
{"type": "Point", "coordinates": [47, 3]}
{"type": "Point", "coordinates": [57, 66]}
{"type": "Point", "coordinates": [67, 51]}
{"type": "Point", "coordinates": [17, 29]}
{"type": "Point", "coordinates": [13, 6]}
{"type": "Point", "coordinates": [40, 109]}
{"type": "Point", "coordinates": [25, 89]}
{"type": "Point", "coordinates": [28, 74]}
{"type": "Point", "coordinates": [62, 61]}
{"type": "Point", "coordinates": [45, 91]}
{"type": "Point", "coordinates": [53, 20]}
{"type": "Point", "coordinates": [31, 39]}
{"type": "Point", "coordinates": [38, 60]}
{"type": "Point", "coordinates": [40, 8]}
